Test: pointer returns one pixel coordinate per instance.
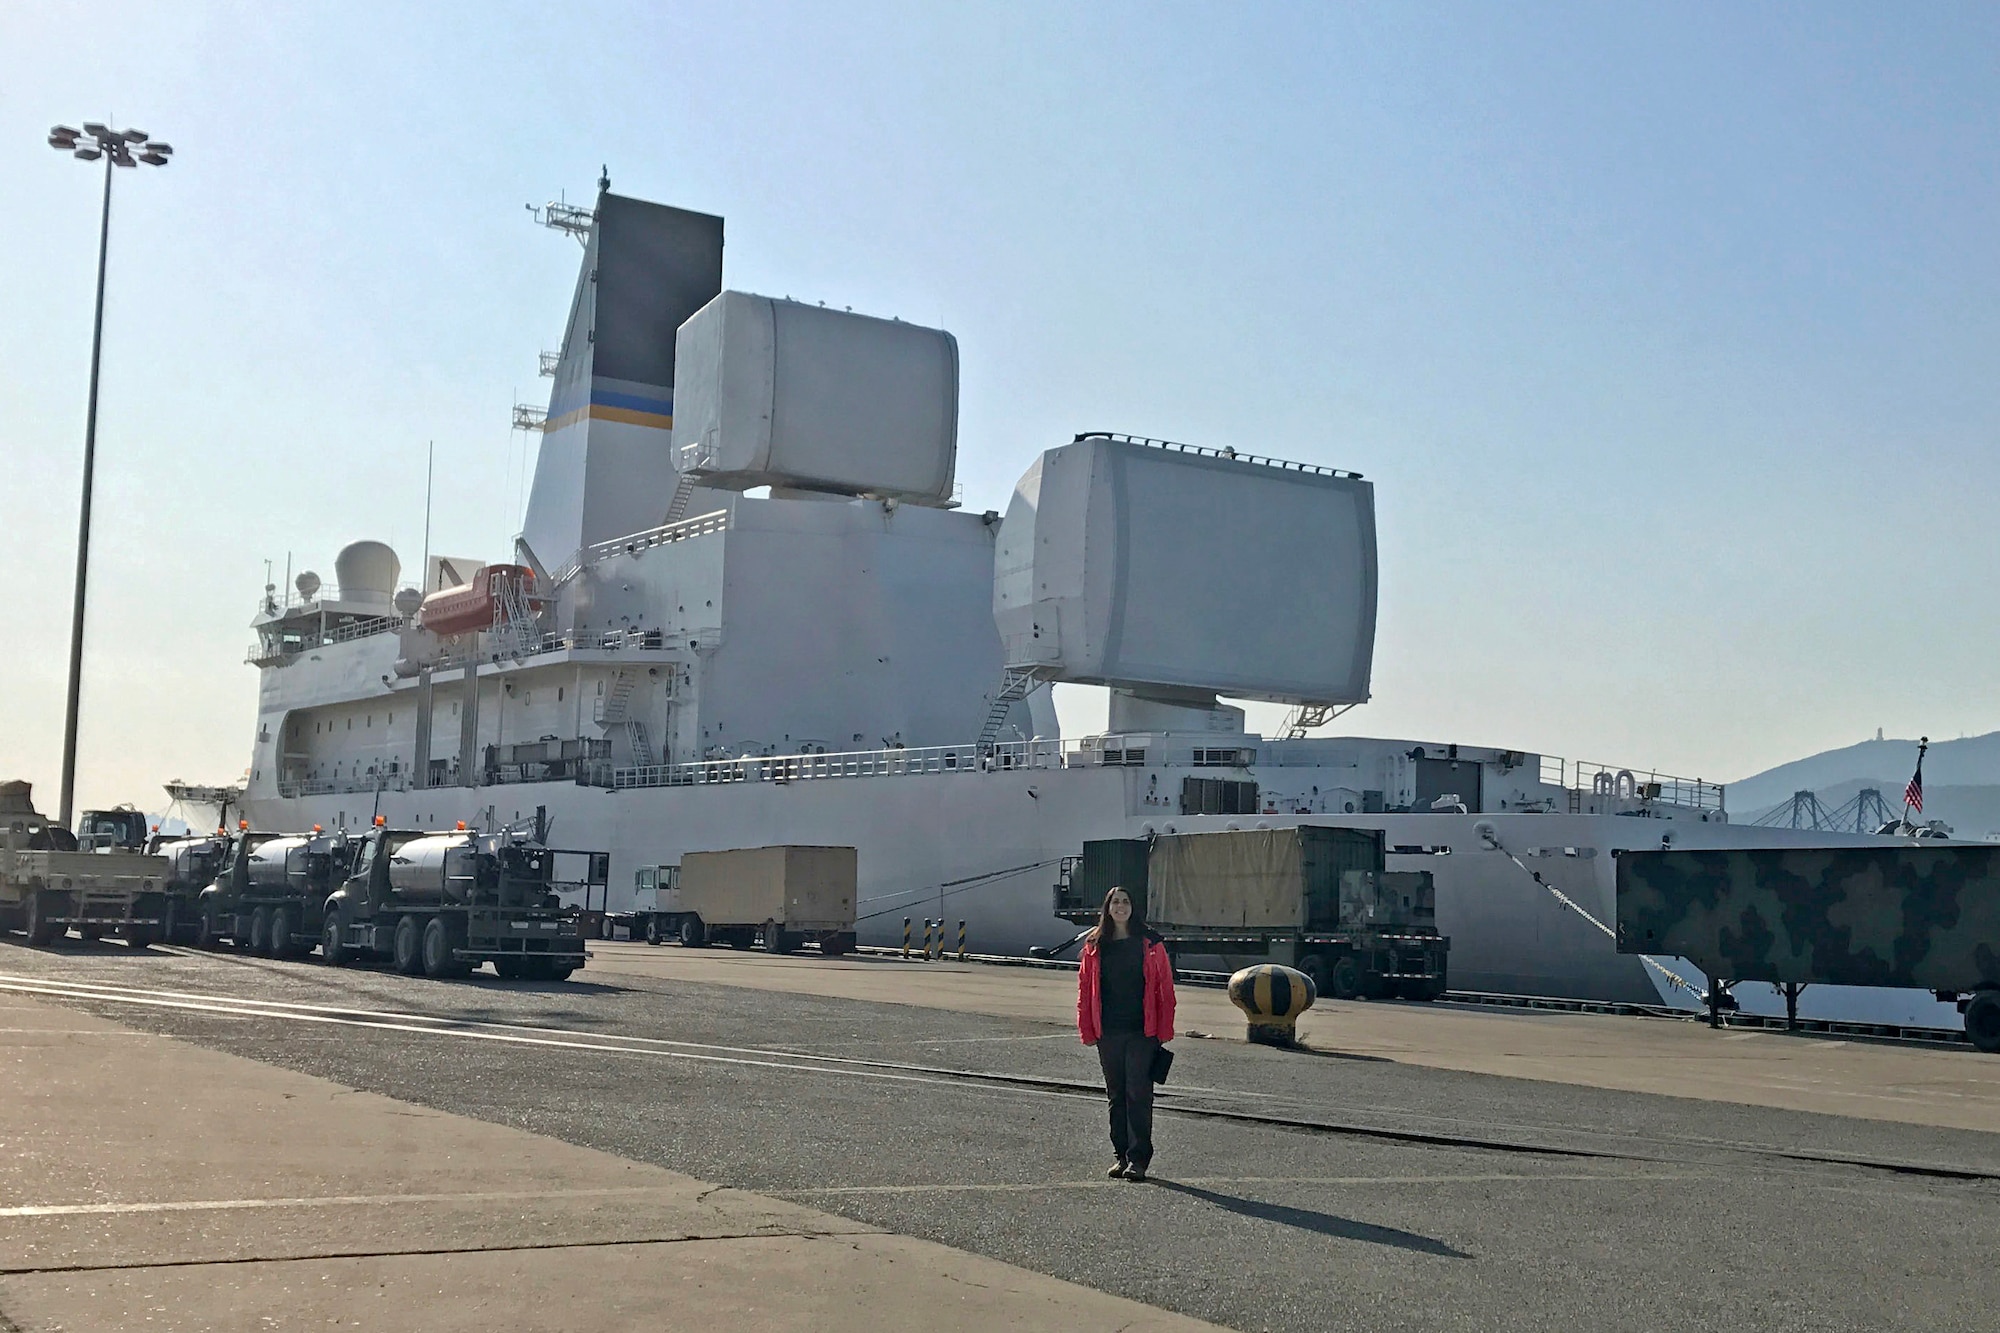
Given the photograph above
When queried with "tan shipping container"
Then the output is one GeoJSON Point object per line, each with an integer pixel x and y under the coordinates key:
{"type": "Point", "coordinates": [801, 888]}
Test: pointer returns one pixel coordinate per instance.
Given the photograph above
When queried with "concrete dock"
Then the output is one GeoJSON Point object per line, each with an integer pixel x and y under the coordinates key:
{"type": "Point", "coordinates": [726, 1140]}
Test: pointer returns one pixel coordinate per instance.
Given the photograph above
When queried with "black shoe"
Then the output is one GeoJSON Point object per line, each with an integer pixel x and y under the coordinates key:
{"type": "Point", "coordinates": [1135, 1173]}
{"type": "Point", "coordinates": [1118, 1170]}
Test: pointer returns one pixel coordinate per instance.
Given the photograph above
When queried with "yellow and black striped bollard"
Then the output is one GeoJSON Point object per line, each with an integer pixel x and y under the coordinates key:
{"type": "Point", "coordinates": [906, 939]}
{"type": "Point", "coordinates": [927, 939]}
{"type": "Point", "coordinates": [961, 941]}
{"type": "Point", "coordinates": [1272, 998]}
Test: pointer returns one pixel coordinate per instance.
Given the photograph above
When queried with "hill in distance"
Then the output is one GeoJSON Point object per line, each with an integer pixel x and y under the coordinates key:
{"type": "Point", "coordinates": [1961, 781]}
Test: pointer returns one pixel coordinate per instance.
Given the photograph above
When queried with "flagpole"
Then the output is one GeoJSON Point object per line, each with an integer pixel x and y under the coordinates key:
{"type": "Point", "coordinates": [1916, 781]}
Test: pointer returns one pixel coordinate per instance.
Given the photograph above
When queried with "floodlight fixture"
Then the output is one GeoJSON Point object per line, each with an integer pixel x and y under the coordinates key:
{"type": "Point", "coordinates": [96, 140]}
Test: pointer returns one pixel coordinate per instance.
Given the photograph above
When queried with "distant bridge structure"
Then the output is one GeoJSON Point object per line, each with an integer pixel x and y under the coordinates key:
{"type": "Point", "coordinates": [1866, 813]}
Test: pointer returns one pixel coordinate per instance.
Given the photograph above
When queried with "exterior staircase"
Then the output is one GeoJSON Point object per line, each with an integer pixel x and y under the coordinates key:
{"type": "Point", "coordinates": [615, 710]}
{"type": "Point", "coordinates": [1014, 687]}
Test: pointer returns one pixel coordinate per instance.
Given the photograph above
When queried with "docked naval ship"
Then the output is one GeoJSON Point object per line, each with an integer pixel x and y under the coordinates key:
{"type": "Point", "coordinates": [748, 607]}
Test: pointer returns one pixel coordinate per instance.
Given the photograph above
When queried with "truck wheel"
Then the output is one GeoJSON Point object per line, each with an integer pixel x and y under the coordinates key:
{"type": "Point", "coordinates": [208, 931]}
{"type": "Point", "coordinates": [1982, 1021]}
{"type": "Point", "coordinates": [693, 934]}
{"type": "Point", "coordinates": [140, 935]}
{"type": "Point", "coordinates": [509, 969]}
{"type": "Point", "coordinates": [333, 950]}
{"type": "Point", "coordinates": [653, 930]}
{"type": "Point", "coordinates": [90, 934]}
{"type": "Point", "coordinates": [284, 922]}
{"type": "Point", "coordinates": [260, 932]}
{"type": "Point", "coordinates": [775, 940]}
{"type": "Point", "coordinates": [1315, 967]}
{"type": "Point", "coordinates": [41, 930]}
{"type": "Point", "coordinates": [833, 946]}
{"type": "Point", "coordinates": [408, 947]}
{"type": "Point", "coordinates": [440, 943]}
{"type": "Point", "coordinates": [559, 971]}
{"type": "Point", "coordinates": [1343, 981]}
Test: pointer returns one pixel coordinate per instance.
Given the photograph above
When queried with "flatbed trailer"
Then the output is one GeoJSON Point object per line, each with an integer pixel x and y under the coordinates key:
{"type": "Point", "coordinates": [48, 888]}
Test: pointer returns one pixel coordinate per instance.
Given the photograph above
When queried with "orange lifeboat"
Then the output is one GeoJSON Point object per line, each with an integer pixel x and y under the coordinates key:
{"type": "Point", "coordinates": [469, 608]}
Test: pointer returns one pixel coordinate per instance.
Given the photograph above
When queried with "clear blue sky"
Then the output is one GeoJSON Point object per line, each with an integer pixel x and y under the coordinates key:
{"type": "Point", "coordinates": [1670, 334]}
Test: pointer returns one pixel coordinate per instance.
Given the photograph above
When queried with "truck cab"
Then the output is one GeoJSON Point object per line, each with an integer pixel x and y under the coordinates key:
{"type": "Point", "coordinates": [120, 830]}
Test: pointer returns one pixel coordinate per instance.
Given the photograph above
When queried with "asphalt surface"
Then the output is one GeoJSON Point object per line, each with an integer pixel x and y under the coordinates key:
{"type": "Point", "coordinates": [1292, 1191]}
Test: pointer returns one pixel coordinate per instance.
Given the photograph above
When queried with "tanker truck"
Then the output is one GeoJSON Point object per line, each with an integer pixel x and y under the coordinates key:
{"type": "Point", "coordinates": [48, 887]}
{"type": "Point", "coordinates": [444, 903]}
{"type": "Point", "coordinates": [192, 865]}
{"type": "Point", "coordinates": [270, 895]}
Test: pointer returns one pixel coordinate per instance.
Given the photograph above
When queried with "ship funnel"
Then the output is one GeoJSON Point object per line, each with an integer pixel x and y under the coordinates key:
{"type": "Point", "coordinates": [367, 572]}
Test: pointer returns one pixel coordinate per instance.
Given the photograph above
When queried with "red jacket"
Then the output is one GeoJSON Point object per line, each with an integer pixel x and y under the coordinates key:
{"type": "Point", "coordinates": [1158, 1001]}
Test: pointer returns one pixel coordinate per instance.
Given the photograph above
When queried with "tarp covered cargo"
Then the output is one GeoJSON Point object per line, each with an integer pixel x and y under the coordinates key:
{"type": "Point", "coordinates": [1255, 879]}
{"type": "Point", "coordinates": [801, 888]}
{"type": "Point", "coordinates": [1896, 915]}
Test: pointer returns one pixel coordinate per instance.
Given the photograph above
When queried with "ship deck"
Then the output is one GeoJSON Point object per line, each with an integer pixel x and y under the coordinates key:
{"type": "Point", "coordinates": [747, 1141]}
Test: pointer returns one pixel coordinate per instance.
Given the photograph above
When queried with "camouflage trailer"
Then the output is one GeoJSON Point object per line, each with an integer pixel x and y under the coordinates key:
{"type": "Point", "coordinates": [48, 887]}
{"type": "Point", "coordinates": [1921, 917]}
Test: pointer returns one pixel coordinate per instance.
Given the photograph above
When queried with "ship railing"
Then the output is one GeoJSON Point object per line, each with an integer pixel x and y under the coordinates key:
{"type": "Point", "coordinates": [889, 763]}
{"type": "Point", "coordinates": [701, 525]}
{"type": "Point", "coordinates": [263, 654]}
{"type": "Point", "coordinates": [342, 786]}
{"type": "Point", "coordinates": [1623, 782]}
{"type": "Point", "coordinates": [1206, 451]}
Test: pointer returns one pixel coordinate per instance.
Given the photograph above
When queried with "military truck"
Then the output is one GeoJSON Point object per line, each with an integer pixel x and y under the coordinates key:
{"type": "Point", "coordinates": [444, 903]}
{"type": "Point", "coordinates": [1906, 914]}
{"type": "Point", "coordinates": [48, 887]}
{"type": "Point", "coordinates": [192, 865]}
{"type": "Point", "coordinates": [121, 830]}
{"type": "Point", "coordinates": [269, 896]}
{"type": "Point", "coordinates": [782, 897]}
{"type": "Point", "coordinates": [1313, 897]}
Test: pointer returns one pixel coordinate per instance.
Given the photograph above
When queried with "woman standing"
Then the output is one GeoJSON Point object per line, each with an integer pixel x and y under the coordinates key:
{"type": "Point", "coordinates": [1125, 1008]}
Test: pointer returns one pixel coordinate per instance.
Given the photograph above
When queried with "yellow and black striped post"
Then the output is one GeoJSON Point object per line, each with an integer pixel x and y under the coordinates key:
{"type": "Point", "coordinates": [906, 939]}
{"type": "Point", "coordinates": [1272, 998]}
{"type": "Point", "coordinates": [961, 941]}
{"type": "Point", "coordinates": [927, 939]}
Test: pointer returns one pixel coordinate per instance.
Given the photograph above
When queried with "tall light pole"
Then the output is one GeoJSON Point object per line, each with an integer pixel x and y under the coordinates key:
{"type": "Point", "coordinates": [118, 148]}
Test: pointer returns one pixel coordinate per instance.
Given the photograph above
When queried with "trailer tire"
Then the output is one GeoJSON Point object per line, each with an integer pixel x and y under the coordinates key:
{"type": "Point", "coordinates": [140, 935]}
{"type": "Point", "coordinates": [333, 950]}
{"type": "Point", "coordinates": [260, 931]}
{"type": "Point", "coordinates": [555, 971]}
{"type": "Point", "coordinates": [1343, 980]}
{"type": "Point", "coordinates": [833, 946]}
{"type": "Point", "coordinates": [694, 935]}
{"type": "Point", "coordinates": [509, 969]}
{"type": "Point", "coordinates": [41, 930]}
{"type": "Point", "coordinates": [90, 934]}
{"type": "Point", "coordinates": [1982, 1021]}
{"type": "Point", "coordinates": [776, 938]}
{"type": "Point", "coordinates": [653, 935]}
{"type": "Point", "coordinates": [1315, 967]}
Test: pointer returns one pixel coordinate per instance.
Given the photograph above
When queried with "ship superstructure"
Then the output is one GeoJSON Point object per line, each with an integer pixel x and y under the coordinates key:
{"type": "Point", "coordinates": [747, 608]}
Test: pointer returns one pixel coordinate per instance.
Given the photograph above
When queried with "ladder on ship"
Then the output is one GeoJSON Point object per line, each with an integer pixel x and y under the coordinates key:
{"type": "Point", "coordinates": [1014, 687]}
{"type": "Point", "coordinates": [616, 711]}
{"type": "Point", "coordinates": [677, 508]}
{"type": "Point", "coordinates": [515, 629]}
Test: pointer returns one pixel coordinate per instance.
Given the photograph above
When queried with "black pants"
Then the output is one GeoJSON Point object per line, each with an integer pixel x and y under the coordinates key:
{"type": "Point", "coordinates": [1127, 1059]}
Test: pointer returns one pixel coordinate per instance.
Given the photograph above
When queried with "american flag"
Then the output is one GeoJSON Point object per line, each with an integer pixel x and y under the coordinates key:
{"type": "Point", "coordinates": [1913, 795]}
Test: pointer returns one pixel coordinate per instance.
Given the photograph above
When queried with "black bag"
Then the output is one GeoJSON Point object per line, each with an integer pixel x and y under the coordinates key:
{"type": "Point", "coordinates": [1163, 1061]}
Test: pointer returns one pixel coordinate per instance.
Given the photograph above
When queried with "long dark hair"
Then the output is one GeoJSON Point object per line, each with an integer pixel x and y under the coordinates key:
{"type": "Point", "coordinates": [1135, 925]}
